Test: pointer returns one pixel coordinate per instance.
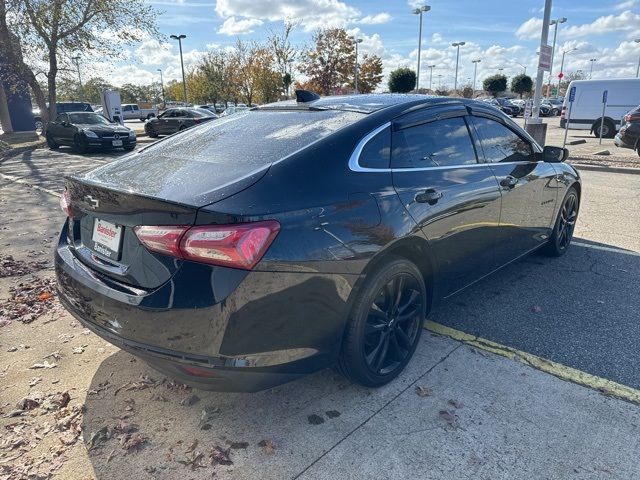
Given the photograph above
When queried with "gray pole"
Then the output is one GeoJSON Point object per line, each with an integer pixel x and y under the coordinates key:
{"type": "Point", "coordinates": [164, 101]}
{"type": "Point", "coordinates": [637, 40]}
{"type": "Point", "coordinates": [184, 80]}
{"type": "Point", "coordinates": [455, 81]}
{"type": "Point", "coordinates": [419, 52]}
{"type": "Point", "coordinates": [475, 71]}
{"type": "Point", "coordinates": [544, 37]}
{"type": "Point", "coordinates": [553, 54]}
{"type": "Point", "coordinates": [431, 76]}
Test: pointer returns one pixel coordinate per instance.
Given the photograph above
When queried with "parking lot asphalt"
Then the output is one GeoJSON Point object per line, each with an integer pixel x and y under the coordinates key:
{"type": "Point", "coordinates": [510, 421]}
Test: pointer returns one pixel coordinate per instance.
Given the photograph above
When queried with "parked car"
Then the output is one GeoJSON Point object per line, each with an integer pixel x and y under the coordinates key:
{"type": "Point", "coordinates": [132, 110]}
{"type": "Point", "coordinates": [555, 106]}
{"type": "Point", "coordinates": [245, 253]}
{"type": "Point", "coordinates": [211, 108]}
{"type": "Point", "coordinates": [586, 111]}
{"type": "Point", "coordinates": [231, 109]}
{"type": "Point", "coordinates": [86, 130]}
{"type": "Point", "coordinates": [177, 119]}
{"type": "Point", "coordinates": [62, 107]}
{"type": "Point", "coordinates": [629, 134]}
{"type": "Point", "coordinates": [503, 106]}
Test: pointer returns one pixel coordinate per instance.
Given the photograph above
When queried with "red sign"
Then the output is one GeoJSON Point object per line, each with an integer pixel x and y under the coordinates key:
{"type": "Point", "coordinates": [560, 75]}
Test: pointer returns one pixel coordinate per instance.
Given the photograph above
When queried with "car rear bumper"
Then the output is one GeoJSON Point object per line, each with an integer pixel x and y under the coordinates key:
{"type": "Point", "coordinates": [623, 141]}
{"type": "Point", "coordinates": [245, 331]}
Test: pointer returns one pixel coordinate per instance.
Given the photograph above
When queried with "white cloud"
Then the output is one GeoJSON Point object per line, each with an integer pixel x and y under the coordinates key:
{"type": "Point", "coordinates": [625, 21]}
{"type": "Point", "coordinates": [375, 19]}
{"type": "Point", "coordinates": [231, 26]}
{"type": "Point", "coordinates": [530, 29]}
{"type": "Point", "coordinates": [626, 5]}
{"type": "Point", "coordinates": [311, 14]}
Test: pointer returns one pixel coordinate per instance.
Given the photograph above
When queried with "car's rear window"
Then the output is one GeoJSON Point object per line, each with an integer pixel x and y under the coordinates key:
{"type": "Point", "coordinates": [253, 138]}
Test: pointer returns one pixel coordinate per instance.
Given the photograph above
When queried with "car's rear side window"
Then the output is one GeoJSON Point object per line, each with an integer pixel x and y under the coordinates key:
{"type": "Point", "coordinates": [435, 144]}
{"type": "Point", "coordinates": [377, 151]}
{"type": "Point", "coordinates": [253, 137]}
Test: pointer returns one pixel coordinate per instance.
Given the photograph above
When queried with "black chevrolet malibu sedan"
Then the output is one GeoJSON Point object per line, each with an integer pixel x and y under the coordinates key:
{"type": "Point", "coordinates": [249, 251]}
{"type": "Point", "coordinates": [88, 130]}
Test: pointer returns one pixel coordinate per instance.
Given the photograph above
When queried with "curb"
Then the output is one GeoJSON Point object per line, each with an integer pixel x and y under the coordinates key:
{"type": "Point", "coordinates": [604, 168]}
{"type": "Point", "coordinates": [12, 152]}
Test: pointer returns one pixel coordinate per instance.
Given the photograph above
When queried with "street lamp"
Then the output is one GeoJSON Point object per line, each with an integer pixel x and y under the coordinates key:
{"type": "Point", "coordinates": [560, 75]}
{"type": "Point", "coordinates": [184, 82]}
{"type": "Point", "coordinates": [439, 81]}
{"type": "Point", "coordinates": [457, 45]}
{"type": "Point", "coordinates": [554, 23]}
{"type": "Point", "coordinates": [76, 60]}
{"type": "Point", "coordinates": [420, 11]}
{"type": "Point", "coordinates": [475, 71]}
{"type": "Point", "coordinates": [592, 60]}
{"type": "Point", "coordinates": [637, 40]}
{"type": "Point", "coordinates": [431, 67]}
{"type": "Point", "coordinates": [164, 101]}
{"type": "Point", "coordinates": [357, 41]}
{"type": "Point", "coordinates": [523, 66]}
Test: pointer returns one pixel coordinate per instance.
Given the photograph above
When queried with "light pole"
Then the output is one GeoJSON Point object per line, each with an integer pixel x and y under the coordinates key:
{"type": "Point", "coordinates": [500, 69]}
{"type": "Point", "coordinates": [419, 11]}
{"type": "Point", "coordinates": [562, 68]}
{"type": "Point", "coordinates": [592, 60]}
{"type": "Point", "coordinates": [184, 82]}
{"type": "Point", "coordinates": [475, 72]}
{"type": "Point", "coordinates": [637, 40]}
{"type": "Point", "coordinates": [76, 60]}
{"type": "Point", "coordinates": [523, 66]}
{"type": "Point", "coordinates": [357, 41]}
{"type": "Point", "coordinates": [164, 102]}
{"type": "Point", "coordinates": [431, 67]}
{"type": "Point", "coordinates": [533, 123]}
{"type": "Point", "coordinates": [439, 81]}
{"type": "Point", "coordinates": [455, 81]}
{"type": "Point", "coordinates": [554, 23]}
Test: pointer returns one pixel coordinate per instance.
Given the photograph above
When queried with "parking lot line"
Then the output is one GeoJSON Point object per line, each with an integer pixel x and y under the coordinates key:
{"type": "Point", "coordinates": [21, 181]}
{"type": "Point", "coordinates": [606, 249]}
{"type": "Point", "coordinates": [603, 385]}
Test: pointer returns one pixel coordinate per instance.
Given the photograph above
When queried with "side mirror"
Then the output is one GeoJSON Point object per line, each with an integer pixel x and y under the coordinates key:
{"type": "Point", "coordinates": [554, 154]}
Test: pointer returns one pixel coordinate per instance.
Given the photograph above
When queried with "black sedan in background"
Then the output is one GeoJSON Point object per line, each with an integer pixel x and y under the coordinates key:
{"type": "Point", "coordinates": [629, 134]}
{"type": "Point", "coordinates": [86, 130]}
{"type": "Point", "coordinates": [177, 119]}
{"type": "Point", "coordinates": [245, 253]}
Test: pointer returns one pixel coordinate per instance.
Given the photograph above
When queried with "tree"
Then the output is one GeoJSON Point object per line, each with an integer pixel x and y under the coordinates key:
{"type": "Point", "coordinates": [330, 64]}
{"type": "Point", "coordinates": [495, 84]}
{"type": "Point", "coordinates": [253, 74]}
{"type": "Point", "coordinates": [53, 31]}
{"type": "Point", "coordinates": [216, 70]}
{"type": "Point", "coordinates": [93, 89]}
{"type": "Point", "coordinates": [284, 54]}
{"type": "Point", "coordinates": [467, 91]}
{"type": "Point", "coordinates": [402, 80]}
{"type": "Point", "coordinates": [369, 73]}
{"type": "Point", "coordinates": [521, 84]}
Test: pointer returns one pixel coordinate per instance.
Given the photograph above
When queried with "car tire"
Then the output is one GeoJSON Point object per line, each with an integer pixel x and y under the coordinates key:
{"type": "Point", "coordinates": [39, 125]}
{"type": "Point", "coordinates": [182, 127]}
{"type": "Point", "coordinates": [385, 323]}
{"type": "Point", "coordinates": [562, 234]}
{"type": "Point", "coordinates": [555, 112]}
{"type": "Point", "coordinates": [151, 131]}
{"type": "Point", "coordinates": [608, 129]}
{"type": "Point", "coordinates": [80, 144]}
{"type": "Point", "coordinates": [51, 143]}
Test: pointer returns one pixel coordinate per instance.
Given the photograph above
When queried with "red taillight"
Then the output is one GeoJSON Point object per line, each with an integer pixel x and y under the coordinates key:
{"type": "Point", "coordinates": [162, 239]}
{"type": "Point", "coordinates": [562, 112]}
{"type": "Point", "coordinates": [65, 203]}
{"type": "Point", "coordinates": [237, 246]}
{"type": "Point", "coordinates": [199, 372]}
{"type": "Point", "coordinates": [632, 117]}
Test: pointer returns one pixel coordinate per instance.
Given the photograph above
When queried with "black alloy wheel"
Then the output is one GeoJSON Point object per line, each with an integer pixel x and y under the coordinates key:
{"type": "Point", "coordinates": [565, 224]}
{"type": "Point", "coordinates": [151, 130]}
{"type": "Point", "coordinates": [51, 142]}
{"type": "Point", "coordinates": [386, 323]}
{"type": "Point", "coordinates": [80, 143]}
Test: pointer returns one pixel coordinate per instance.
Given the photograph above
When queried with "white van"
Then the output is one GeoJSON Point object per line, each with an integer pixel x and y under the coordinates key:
{"type": "Point", "coordinates": [586, 112]}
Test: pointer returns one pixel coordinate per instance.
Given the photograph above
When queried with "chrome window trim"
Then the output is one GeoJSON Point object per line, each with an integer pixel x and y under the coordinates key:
{"type": "Point", "coordinates": [354, 160]}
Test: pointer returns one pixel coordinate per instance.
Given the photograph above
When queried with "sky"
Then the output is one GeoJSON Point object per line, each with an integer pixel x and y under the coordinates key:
{"type": "Point", "coordinates": [502, 34]}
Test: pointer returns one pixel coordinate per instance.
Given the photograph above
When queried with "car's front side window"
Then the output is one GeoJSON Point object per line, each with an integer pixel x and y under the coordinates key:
{"type": "Point", "coordinates": [501, 144]}
{"type": "Point", "coordinates": [435, 144]}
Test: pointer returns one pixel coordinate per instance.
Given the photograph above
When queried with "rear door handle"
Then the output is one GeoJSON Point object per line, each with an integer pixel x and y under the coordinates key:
{"type": "Point", "coordinates": [509, 181]}
{"type": "Point", "coordinates": [429, 196]}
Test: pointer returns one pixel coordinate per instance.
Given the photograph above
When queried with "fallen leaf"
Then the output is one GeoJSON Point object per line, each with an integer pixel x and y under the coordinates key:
{"type": "Point", "coordinates": [237, 445]}
{"type": "Point", "coordinates": [218, 456]}
{"type": "Point", "coordinates": [450, 417]}
{"type": "Point", "coordinates": [423, 391]}
{"type": "Point", "coordinates": [123, 426]}
{"type": "Point", "coordinates": [193, 460]}
{"type": "Point", "coordinates": [44, 296]}
{"type": "Point", "coordinates": [455, 404]}
{"type": "Point", "coordinates": [77, 350]}
{"type": "Point", "coordinates": [536, 309]}
{"type": "Point", "coordinates": [268, 446]}
{"type": "Point", "coordinates": [315, 419]}
{"type": "Point", "coordinates": [132, 442]}
{"type": "Point", "coordinates": [34, 381]}
{"type": "Point", "coordinates": [12, 349]}
{"type": "Point", "coordinates": [99, 437]}
{"type": "Point", "coordinates": [192, 447]}
{"type": "Point", "coordinates": [190, 401]}
{"type": "Point", "coordinates": [45, 364]}
{"type": "Point", "coordinates": [333, 414]}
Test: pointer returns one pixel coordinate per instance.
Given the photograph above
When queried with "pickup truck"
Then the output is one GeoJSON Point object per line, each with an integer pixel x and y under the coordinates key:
{"type": "Point", "coordinates": [131, 110]}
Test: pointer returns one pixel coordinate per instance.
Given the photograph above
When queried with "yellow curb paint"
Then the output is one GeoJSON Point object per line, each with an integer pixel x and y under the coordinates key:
{"type": "Point", "coordinates": [604, 386]}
